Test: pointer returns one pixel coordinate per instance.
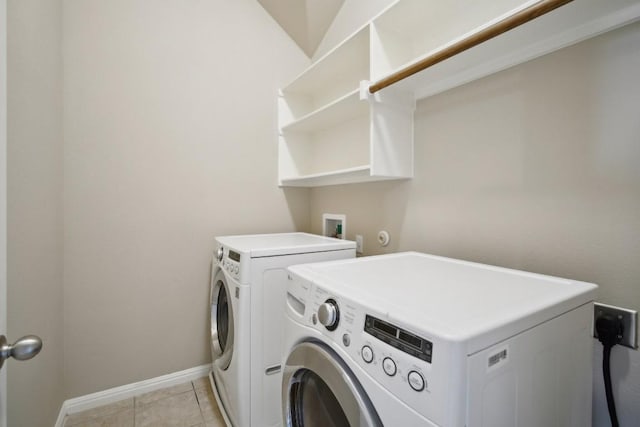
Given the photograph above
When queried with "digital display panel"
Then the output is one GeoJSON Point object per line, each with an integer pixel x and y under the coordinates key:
{"type": "Point", "coordinates": [399, 338]}
{"type": "Point", "coordinates": [234, 256]}
{"type": "Point", "coordinates": [410, 339]}
{"type": "Point", "coordinates": [385, 327]}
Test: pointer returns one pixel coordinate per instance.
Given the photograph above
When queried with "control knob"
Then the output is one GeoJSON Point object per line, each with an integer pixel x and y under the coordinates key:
{"type": "Point", "coordinates": [329, 314]}
{"type": "Point", "coordinates": [220, 254]}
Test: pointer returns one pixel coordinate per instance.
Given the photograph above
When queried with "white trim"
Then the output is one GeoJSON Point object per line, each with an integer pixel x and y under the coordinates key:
{"type": "Point", "coordinates": [105, 397]}
{"type": "Point", "coordinates": [61, 415]}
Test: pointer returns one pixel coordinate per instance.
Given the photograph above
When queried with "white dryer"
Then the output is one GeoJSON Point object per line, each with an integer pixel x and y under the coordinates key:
{"type": "Point", "coordinates": [247, 296]}
{"type": "Point", "coordinates": [417, 340]}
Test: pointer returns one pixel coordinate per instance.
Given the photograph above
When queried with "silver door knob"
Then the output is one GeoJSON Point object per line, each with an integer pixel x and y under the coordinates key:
{"type": "Point", "coordinates": [23, 349]}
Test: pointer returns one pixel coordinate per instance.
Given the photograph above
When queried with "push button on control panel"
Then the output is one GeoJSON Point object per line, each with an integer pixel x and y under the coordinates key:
{"type": "Point", "coordinates": [367, 354]}
{"type": "Point", "coordinates": [389, 366]}
{"type": "Point", "coordinates": [346, 340]}
{"type": "Point", "coordinates": [416, 381]}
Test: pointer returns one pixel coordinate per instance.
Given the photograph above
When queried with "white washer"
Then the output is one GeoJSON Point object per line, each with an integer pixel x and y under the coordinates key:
{"type": "Point", "coordinates": [417, 340]}
{"type": "Point", "coordinates": [247, 297]}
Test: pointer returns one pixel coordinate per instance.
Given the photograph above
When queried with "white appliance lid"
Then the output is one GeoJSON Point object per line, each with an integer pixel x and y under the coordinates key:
{"type": "Point", "coordinates": [457, 300]}
{"type": "Point", "coordinates": [263, 245]}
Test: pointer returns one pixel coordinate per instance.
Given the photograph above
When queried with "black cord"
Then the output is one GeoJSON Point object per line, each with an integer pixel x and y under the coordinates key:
{"type": "Point", "coordinates": [606, 372]}
{"type": "Point", "coordinates": [609, 331]}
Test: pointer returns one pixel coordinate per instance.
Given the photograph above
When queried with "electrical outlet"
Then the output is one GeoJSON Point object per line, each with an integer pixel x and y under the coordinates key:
{"type": "Point", "coordinates": [629, 320]}
{"type": "Point", "coordinates": [359, 244]}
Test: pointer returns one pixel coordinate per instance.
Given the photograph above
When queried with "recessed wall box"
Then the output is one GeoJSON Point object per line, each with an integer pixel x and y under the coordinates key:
{"type": "Point", "coordinates": [334, 225]}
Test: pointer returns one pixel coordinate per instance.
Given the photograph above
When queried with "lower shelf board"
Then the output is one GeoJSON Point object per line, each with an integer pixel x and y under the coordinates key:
{"type": "Point", "coordinates": [342, 176]}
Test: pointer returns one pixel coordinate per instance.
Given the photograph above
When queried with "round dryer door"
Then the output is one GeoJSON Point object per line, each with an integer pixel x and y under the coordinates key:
{"type": "Point", "coordinates": [318, 389]}
{"type": "Point", "coordinates": [221, 321]}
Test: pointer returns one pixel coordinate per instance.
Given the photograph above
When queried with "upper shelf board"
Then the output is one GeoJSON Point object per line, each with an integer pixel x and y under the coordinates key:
{"type": "Point", "coordinates": [567, 25]}
{"type": "Point", "coordinates": [350, 59]}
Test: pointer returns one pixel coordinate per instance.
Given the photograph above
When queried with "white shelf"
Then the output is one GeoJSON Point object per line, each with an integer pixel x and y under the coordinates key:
{"type": "Point", "coordinates": [332, 134]}
{"type": "Point", "coordinates": [327, 178]}
{"type": "Point", "coordinates": [567, 25]}
{"type": "Point", "coordinates": [330, 77]}
{"type": "Point", "coordinates": [353, 175]}
{"type": "Point", "coordinates": [413, 28]}
{"type": "Point", "coordinates": [343, 109]}
{"type": "Point", "coordinates": [331, 145]}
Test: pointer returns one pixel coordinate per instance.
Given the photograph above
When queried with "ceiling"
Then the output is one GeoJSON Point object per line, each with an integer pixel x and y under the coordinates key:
{"type": "Point", "coordinates": [306, 21]}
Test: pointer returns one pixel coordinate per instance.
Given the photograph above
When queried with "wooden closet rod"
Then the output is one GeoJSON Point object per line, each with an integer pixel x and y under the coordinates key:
{"type": "Point", "coordinates": [513, 21]}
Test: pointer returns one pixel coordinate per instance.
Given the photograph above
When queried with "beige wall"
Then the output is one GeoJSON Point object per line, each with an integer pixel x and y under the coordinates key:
{"type": "Point", "coordinates": [170, 140]}
{"type": "Point", "coordinates": [534, 168]}
{"type": "Point", "coordinates": [34, 174]}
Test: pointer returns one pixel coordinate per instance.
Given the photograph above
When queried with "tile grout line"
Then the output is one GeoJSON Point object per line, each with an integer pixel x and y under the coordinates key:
{"type": "Point", "coordinates": [135, 410]}
{"type": "Point", "coordinates": [204, 422]}
{"type": "Point", "coordinates": [196, 392]}
{"type": "Point", "coordinates": [193, 387]}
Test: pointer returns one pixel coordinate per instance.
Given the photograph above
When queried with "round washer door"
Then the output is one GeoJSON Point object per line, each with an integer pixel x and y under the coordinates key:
{"type": "Point", "coordinates": [318, 389]}
{"type": "Point", "coordinates": [221, 321]}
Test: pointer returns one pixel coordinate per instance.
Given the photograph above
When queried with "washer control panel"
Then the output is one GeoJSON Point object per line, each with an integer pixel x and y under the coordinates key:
{"type": "Point", "coordinates": [229, 261]}
{"type": "Point", "coordinates": [397, 358]}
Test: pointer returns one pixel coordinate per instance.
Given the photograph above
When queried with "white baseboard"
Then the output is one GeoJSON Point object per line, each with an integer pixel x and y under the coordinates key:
{"type": "Point", "coordinates": [105, 397]}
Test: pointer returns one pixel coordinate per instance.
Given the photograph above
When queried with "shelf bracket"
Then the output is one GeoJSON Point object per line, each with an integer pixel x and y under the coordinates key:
{"type": "Point", "coordinates": [365, 95]}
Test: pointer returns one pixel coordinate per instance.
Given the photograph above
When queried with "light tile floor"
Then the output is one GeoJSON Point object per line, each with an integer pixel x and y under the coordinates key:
{"type": "Point", "coordinates": [185, 405]}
